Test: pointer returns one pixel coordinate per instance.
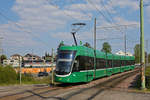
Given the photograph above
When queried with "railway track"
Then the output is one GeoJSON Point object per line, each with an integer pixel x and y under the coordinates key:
{"type": "Point", "coordinates": [82, 91]}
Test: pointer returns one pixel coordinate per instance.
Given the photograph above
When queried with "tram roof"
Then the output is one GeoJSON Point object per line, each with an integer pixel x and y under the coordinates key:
{"type": "Point", "coordinates": [85, 51]}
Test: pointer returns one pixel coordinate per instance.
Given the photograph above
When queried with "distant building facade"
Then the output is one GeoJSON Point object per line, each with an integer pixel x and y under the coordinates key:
{"type": "Point", "coordinates": [13, 60]}
{"type": "Point", "coordinates": [30, 57]}
{"type": "Point", "coordinates": [29, 61]}
{"type": "Point", "coordinates": [16, 57]}
{"type": "Point", "coordinates": [123, 53]}
{"type": "Point", "coordinates": [14, 63]}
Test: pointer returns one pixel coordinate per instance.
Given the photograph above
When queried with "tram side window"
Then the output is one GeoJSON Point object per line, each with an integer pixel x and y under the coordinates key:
{"type": "Point", "coordinates": [115, 63]}
{"type": "Point", "coordinates": [118, 63]}
{"type": "Point", "coordinates": [89, 64]}
{"type": "Point", "coordinates": [97, 63]}
{"type": "Point", "coordinates": [100, 63]}
{"type": "Point", "coordinates": [133, 62]}
{"type": "Point", "coordinates": [109, 63]}
{"type": "Point", "coordinates": [124, 63]}
{"type": "Point", "coordinates": [103, 63]}
{"type": "Point", "coordinates": [86, 63]}
{"type": "Point", "coordinates": [121, 62]}
{"type": "Point", "coordinates": [128, 62]}
{"type": "Point", "coordinates": [82, 63]}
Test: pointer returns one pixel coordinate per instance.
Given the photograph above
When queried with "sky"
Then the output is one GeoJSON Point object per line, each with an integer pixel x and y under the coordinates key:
{"type": "Point", "coordinates": [37, 26]}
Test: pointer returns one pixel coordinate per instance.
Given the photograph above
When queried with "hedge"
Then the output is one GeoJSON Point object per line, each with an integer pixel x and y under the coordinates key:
{"type": "Point", "coordinates": [7, 74]}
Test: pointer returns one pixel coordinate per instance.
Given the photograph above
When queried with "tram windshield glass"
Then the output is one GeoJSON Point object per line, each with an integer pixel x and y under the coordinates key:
{"type": "Point", "coordinates": [64, 61]}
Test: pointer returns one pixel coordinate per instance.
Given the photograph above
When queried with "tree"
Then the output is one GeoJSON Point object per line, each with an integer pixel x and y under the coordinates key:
{"type": "Point", "coordinates": [2, 57]}
{"type": "Point", "coordinates": [106, 47]}
{"type": "Point", "coordinates": [87, 45]}
{"type": "Point", "coordinates": [47, 54]}
{"type": "Point", "coordinates": [148, 58]}
{"type": "Point", "coordinates": [137, 53]}
{"type": "Point", "coordinates": [146, 54]}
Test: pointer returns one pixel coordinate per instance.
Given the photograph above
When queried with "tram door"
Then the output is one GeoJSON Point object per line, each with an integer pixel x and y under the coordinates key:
{"type": "Point", "coordinates": [89, 68]}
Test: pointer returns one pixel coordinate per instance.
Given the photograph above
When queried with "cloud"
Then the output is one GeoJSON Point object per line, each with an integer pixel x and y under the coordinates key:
{"type": "Point", "coordinates": [125, 22]}
{"type": "Point", "coordinates": [147, 12]}
{"type": "Point", "coordinates": [62, 35]}
{"type": "Point", "coordinates": [39, 19]}
{"type": "Point", "coordinates": [68, 36]}
{"type": "Point", "coordinates": [133, 4]}
{"type": "Point", "coordinates": [13, 36]}
{"type": "Point", "coordinates": [36, 18]}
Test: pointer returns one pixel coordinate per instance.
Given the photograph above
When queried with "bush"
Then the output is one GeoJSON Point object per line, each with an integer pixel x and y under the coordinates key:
{"type": "Point", "coordinates": [25, 77]}
{"type": "Point", "coordinates": [147, 74]}
{"type": "Point", "coordinates": [7, 75]}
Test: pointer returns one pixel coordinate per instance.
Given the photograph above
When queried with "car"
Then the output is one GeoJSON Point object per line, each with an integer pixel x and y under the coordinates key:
{"type": "Point", "coordinates": [42, 74]}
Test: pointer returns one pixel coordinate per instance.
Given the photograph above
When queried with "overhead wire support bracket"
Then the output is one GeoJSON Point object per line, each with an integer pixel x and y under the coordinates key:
{"type": "Point", "coordinates": [116, 26]}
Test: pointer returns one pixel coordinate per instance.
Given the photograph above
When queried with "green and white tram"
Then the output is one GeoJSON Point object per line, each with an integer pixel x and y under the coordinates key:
{"type": "Point", "coordinates": [79, 64]}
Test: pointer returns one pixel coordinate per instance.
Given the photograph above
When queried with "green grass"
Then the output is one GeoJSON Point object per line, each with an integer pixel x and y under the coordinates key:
{"type": "Point", "coordinates": [147, 80]}
{"type": "Point", "coordinates": [41, 80]}
{"type": "Point", "coordinates": [147, 71]}
{"type": "Point", "coordinates": [8, 76]}
{"type": "Point", "coordinates": [147, 77]}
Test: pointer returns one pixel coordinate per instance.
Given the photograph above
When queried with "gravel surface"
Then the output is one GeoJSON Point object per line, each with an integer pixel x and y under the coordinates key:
{"type": "Point", "coordinates": [121, 95]}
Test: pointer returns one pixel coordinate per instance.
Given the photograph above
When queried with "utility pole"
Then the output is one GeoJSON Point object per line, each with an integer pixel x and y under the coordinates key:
{"type": "Point", "coordinates": [125, 42]}
{"type": "Point", "coordinates": [20, 63]}
{"type": "Point", "coordinates": [1, 49]}
{"type": "Point", "coordinates": [95, 34]}
{"type": "Point", "coordinates": [142, 46]}
{"type": "Point", "coordinates": [147, 52]}
{"type": "Point", "coordinates": [52, 82]}
{"type": "Point", "coordinates": [32, 57]}
{"type": "Point", "coordinates": [95, 47]}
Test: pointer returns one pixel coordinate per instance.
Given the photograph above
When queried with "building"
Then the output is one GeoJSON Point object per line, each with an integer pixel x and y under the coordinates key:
{"type": "Point", "coordinates": [29, 61]}
{"type": "Point", "coordinates": [123, 53]}
{"type": "Point", "coordinates": [16, 57]}
{"type": "Point", "coordinates": [31, 57]}
{"type": "Point", "coordinates": [38, 64]}
{"type": "Point", "coordinates": [13, 62]}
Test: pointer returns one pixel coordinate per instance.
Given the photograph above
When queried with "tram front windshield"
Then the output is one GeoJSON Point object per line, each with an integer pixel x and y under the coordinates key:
{"type": "Point", "coordinates": [64, 61]}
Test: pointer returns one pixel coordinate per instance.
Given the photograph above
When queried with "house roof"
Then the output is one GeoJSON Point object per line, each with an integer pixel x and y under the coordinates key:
{"type": "Point", "coordinates": [15, 55]}
{"type": "Point", "coordinates": [31, 55]}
